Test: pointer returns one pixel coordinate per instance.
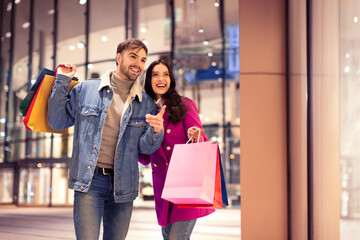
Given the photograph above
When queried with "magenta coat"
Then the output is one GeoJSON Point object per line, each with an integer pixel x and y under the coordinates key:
{"type": "Point", "coordinates": [166, 211]}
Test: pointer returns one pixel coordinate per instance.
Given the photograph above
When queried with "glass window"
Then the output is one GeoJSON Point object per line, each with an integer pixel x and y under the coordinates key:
{"type": "Point", "coordinates": [201, 71]}
{"type": "Point", "coordinates": [6, 185]}
{"type": "Point", "coordinates": [349, 118]}
{"type": "Point", "coordinates": [34, 185]}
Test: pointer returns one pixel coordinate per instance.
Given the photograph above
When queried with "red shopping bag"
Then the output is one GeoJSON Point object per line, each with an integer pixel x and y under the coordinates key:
{"type": "Point", "coordinates": [191, 174]}
{"type": "Point", "coordinates": [28, 112]}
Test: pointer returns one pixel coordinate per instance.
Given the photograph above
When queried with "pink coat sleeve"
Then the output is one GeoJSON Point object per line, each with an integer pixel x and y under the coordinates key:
{"type": "Point", "coordinates": [144, 159]}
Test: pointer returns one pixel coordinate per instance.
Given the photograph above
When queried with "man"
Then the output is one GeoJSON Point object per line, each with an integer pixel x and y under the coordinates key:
{"type": "Point", "coordinates": [112, 123]}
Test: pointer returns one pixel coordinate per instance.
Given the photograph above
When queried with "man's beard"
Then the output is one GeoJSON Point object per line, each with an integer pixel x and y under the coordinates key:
{"type": "Point", "coordinates": [128, 73]}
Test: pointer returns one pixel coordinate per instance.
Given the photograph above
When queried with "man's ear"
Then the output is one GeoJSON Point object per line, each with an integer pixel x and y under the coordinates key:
{"type": "Point", "coordinates": [118, 58]}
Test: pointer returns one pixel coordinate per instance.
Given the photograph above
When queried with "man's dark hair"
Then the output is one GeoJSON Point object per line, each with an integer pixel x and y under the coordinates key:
{"type": "Point", "coordinates": [131, 44]}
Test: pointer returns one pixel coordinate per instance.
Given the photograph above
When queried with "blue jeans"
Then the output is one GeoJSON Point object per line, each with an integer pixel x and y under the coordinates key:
{"type": "Point", "coordinates": [178, 230]}
{"type": "Point", "coordinates": [98, 204]}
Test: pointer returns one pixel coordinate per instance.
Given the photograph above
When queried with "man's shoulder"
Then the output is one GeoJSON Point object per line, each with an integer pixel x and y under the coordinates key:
{"type": "Point", "coordinates": [91, 83]}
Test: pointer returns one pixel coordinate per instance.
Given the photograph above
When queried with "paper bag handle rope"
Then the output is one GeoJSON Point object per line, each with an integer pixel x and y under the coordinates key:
{"type": "Point", "coordinates": [200, 134]}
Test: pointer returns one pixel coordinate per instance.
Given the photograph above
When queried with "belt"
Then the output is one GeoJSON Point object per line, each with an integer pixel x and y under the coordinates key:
{"type": "Point", "coordinates": [104, 171]}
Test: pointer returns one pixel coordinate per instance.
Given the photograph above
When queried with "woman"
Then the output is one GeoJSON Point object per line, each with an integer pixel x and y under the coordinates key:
{"type": "Point", "coordinates": [181, 121]}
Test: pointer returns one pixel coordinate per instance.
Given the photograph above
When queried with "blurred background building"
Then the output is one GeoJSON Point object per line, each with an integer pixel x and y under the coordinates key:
{"type": "Point", "coordinates": [298, 66]}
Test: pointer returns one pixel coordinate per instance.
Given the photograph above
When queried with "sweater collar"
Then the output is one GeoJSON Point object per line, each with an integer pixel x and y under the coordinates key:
{"type": "Point", "coordinates": [134, 91]}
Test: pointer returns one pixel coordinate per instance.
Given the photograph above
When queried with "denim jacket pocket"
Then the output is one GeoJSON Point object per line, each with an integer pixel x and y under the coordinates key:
{"type": "Point", "coordinates": [89, 120]}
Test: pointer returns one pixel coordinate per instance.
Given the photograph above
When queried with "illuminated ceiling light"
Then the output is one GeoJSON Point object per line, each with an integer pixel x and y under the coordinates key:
{"type": "Point", "coordinates": [82, 2]}
{"type": "Point", "coordinates": [347, 69]}
{"type": "Point", "coordinates": [347, 55]}
{"type": "Point", "coordinates": [213, 64]}
{"type": "Point", "coordinates": [9, 7]}
{"type": "Point", "coordinates": [210, 54]}
{"type": "Point", "coordinates": [104, 38]}
{"type": "Point", "coordinates": [26, 25]}
{"type": "Point", "coordinates": [356, 19]}
{"type": "Point", "coordinates": [39, 165]}
{"type": "Point", "coordinates": [80, 45]}
{"type": "Point", "coordinates": [2, 120]}
{"type": "Point", "coordinates": [51, 12]}
{"type": "Point", "coordinates": [8, 34]}
{"type": "Point", "coordinates": [19, 68]}
{"type": "Point", "coordinates": [90, 66]}
{"type": "Point", "coordinates": [232, 156]}
{"type": "Point", "coordinates": [201, 30]}
{"type": "Point", "coordinates": [72, 48]}
{"type": "Point", "coordinates": [58, 165]}
{"type": "Point", "coordinates": [216, 4]}
{"type": "Point", "coordinates": [143, 30]}
{"type": "Point", "coordinates": [217, 72]}
{"type": "Point", "coordinates": [17, 1]}
{"type": "Point", "coordinates": [206, 43]}
{"type": "Point", "coordinates": [220, 79]}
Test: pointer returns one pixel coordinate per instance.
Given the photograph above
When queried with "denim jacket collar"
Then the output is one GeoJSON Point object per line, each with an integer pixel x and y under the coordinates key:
{"type": "Point", "coordinates": [134, 91]}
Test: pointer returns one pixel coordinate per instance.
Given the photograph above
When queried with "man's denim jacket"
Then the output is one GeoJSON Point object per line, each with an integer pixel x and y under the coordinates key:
{"type": "Point", "coordinates": [86, 107]}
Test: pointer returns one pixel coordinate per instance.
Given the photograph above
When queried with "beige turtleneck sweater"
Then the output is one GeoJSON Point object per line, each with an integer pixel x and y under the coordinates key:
{"type": "Point", "coordinates": [121, 90]}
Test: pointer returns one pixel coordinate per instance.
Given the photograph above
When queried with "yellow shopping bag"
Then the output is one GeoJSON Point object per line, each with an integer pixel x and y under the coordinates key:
{"type": "Point", "coordinates": [38, 116]}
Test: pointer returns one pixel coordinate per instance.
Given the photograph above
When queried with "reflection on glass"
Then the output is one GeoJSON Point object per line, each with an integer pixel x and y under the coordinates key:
{"type": "Point", "coordinates": [6, 185]}
{"type": "Point", "coordinates": [59, 185]}
{"type": "Point", "coordinates": [34, 186]}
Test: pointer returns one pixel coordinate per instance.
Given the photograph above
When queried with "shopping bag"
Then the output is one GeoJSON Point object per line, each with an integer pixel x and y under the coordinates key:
{"type": "Point", "coordinates": [26, 102]}
{"type": "Point", "coordinates": [220, 198]}
{"type": "Point", "coordinates": [28, 112]}
{"type": "Point", "coordinates": [191, 174]}
{"type": "Point", "coordinates": [36, 117]}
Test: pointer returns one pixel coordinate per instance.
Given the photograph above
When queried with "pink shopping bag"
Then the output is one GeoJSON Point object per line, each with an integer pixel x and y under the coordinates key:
{"type": "Point", "coordinates": [191, 174]}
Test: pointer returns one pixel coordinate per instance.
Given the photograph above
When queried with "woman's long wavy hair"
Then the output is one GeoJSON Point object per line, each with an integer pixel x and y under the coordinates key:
{"type": "Point", "coordinates": [174, 102]}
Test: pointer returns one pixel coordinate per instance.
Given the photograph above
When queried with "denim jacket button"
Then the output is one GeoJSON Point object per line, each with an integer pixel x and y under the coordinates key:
{"type": "Point", "coordinates": [108, 91]}
{"type": "Point", "coordinates": [168, 131]}
{"type": "Point", "coordinates": [94, 147]}
{"type": "Point", "coordinates": [88, 167]}
{"type": "Point", "coordinates": [155, 165]}
{"type": "Point", "coordinates": [168, 148]}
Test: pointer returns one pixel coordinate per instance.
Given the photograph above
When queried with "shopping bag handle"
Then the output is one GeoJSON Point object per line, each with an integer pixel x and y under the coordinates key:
{"type": "Point", "coordinates": [200, 134]}
{"type": "Point", "coordinates": [63, 65]}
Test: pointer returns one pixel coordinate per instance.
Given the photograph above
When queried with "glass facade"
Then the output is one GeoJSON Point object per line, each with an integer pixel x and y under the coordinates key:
{"type": "Point", "coordinates": [40, 34]}
{"type": "Point", "coordinates": [349, 109]}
